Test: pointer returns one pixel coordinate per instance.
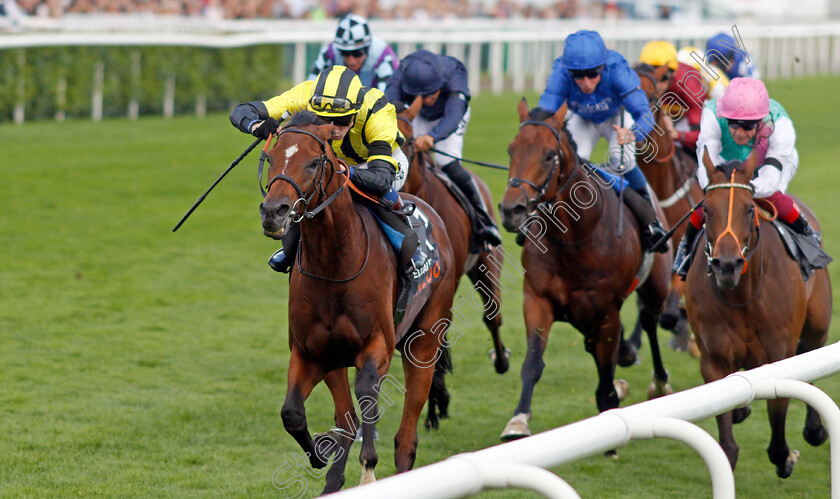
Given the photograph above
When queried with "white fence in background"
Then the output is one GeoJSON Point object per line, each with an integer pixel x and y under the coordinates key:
{"type": "Point", "coordinates": [509, 54]}
{"type": "Point", "coordinates": [521, 463]}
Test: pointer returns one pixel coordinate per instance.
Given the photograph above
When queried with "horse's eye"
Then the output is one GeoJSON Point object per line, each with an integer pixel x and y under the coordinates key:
{"type": "Point", "coordinates": [313, 164]}
{"type": "Point", "coordinates": [550, 155]}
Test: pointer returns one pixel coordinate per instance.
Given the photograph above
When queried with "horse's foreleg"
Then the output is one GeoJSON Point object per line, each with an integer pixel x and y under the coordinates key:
{"type": "Point", "coordinates": [303, 376]}
{"type": "Point", "coordinates": [368, 379]}
{"type": "Point", "coordinates": [778, 450]}
{"type": "Point", "coordinates": [485, 276]}
{"type": "Point", "coordinates": [603, 345]}
{"type": "Point", "coordinates": [418, 380]}
{"type": "Point", "coordinates": [338, 441]}
{"type": "Point", "coordinates": [538, 319]}
{"type": "Point", "coordinates": [814, 335]}
{"type": "Point", "coordinates": [660, 385]}
{"type": "Point", "coordinates": [712, 370]}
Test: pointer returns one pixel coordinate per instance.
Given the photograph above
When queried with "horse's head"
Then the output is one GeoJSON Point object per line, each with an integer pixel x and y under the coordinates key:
{"type": "Point", "coordinates": [405, 117]}
{"type": "Point", "coordinates": [653, 81]}
{"type": "Point", "coordinates": [730, 217]}
{"type": "Point", "coordinates": [540, 155]}
{"type": "Point", "coordinates": [302, 166]}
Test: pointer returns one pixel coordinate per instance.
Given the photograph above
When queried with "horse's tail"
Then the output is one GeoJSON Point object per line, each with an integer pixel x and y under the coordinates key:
{"type": "Point", "coordinates": [444, 362]}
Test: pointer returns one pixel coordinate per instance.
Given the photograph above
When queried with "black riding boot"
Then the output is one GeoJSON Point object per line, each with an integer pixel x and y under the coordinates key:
{"type": "Point", "coordinates": [282, 259]}
{"type": "Point", "coordinates": [682, 260]}
{"type": "Point", "coordinates": [485, 230]}
{"type": "Point", "coordinates": [801, 226]}
{"type": "Point", "coordinates": [641, 205]}
{"type": "Point", "coordinates": [811, 249]}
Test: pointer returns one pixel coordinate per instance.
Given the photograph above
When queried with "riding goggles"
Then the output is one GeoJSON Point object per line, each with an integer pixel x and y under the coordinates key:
{"type": "Point", "coordinates": [332, 105]}
{"type": "Point", "coordinates": [579, 74]}
{"type": "Point", "coordinates": [744, 124]}
{"type": "Point", "coordinates": [353, 53]}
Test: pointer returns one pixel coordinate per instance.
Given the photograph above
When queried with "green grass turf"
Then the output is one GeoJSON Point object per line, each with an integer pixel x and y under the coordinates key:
{"type": "Point", "coordinates": [141, 363]}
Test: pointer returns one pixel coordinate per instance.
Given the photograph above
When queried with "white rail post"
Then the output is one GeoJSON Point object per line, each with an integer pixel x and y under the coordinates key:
{"type": "Point", "coordinates": [299, 68]}
{"type": "Point", "coordinates": [503, 476]}
{"type": "Point", "coordinates": [822, 403]}
{"type": "Point", "coordinates": [98, 85]}
{"type": "Point", "coordinates": [20, 87]}
{"type": "Point", "coordinates": [723, 479]}
{"type": "Point", "coordinates": [497, 74]}
{"type": "Point", "coordinates": [474, 68]}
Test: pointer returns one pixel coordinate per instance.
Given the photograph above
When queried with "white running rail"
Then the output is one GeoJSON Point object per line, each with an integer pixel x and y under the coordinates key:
{"type": "Point", "coordinates": [512, 464]}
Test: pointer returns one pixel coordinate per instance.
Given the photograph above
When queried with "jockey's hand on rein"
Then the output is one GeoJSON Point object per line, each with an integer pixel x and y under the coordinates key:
{"type": "Point", "coordinates": [423, 143]}
{"type": "Point", "coordinates": [266, 128]}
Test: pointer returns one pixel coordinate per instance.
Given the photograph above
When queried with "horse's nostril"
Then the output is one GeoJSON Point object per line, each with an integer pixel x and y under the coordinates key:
{"type": "Point", "coordinates": [518, 210]}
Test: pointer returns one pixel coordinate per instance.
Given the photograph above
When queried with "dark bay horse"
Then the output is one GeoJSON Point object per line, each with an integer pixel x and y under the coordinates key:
{"type": "Point", "coordinates": [749, 305]}
{"type": "Point", "coordinates": [670, 171]}
{"type": "Point", "coordinates": [342, 294]}
{"type": "Point", "coordinates": [483, 269]}
{"type": "Point", "coordinates": [578, 271]}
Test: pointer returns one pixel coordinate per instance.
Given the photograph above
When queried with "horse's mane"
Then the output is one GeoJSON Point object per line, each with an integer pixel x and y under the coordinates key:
{"type": "Point", "coordinates": [540, 114]}
{"type": "Point", "coordinates": [305, 117]}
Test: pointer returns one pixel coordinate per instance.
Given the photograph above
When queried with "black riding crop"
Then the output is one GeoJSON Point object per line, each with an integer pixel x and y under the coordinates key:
{"type": "Point", "coordinates": [480, 163]}
{"type": "Point", "coordinates": [235, 162]}
{"type": "Point", "coordinates": [662, 240]}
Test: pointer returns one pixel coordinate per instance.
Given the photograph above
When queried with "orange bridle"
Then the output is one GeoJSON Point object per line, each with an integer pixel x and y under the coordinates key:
{"type": "Point", "coordinates": [732, 185]}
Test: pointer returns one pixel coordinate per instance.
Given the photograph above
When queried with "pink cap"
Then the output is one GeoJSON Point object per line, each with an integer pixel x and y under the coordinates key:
{"type": "Point", "coordinates": [744, 99]}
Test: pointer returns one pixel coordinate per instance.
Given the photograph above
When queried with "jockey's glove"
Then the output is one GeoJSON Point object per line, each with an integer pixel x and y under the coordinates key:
{"type": "Point", "coordinates": [266, 128]}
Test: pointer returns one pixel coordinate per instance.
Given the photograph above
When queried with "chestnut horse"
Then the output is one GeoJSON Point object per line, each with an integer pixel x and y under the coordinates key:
{"type": "Point", "coordinates": [483, 268]}
{"type": "Point", "coordinates": [749, 305]}
{"type": "Point", "coordinates": [670, 171]}
{"type": "Point", "coordinates": [579, 271]}
{"type": "Point", "coordinates": [341, 305]}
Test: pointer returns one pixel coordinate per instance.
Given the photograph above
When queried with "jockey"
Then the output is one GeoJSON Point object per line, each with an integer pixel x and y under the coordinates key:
{"type": "Point", "coordinates": [441, 80]}
{"type": "Point", "coordinates": [369, 57]}
{"type": "Point", "coordinates": [594, 82]}
{"type": "Point", "coordinates": [716, 82]}
{"type": "Point", "coordinates": [365, 136]}
{"type": "Point", "coordinates": [729, 129]}
{"type": "Point", "coordinates": [682, 91]}
{"type": "Point", "coordinates": [735, 65]}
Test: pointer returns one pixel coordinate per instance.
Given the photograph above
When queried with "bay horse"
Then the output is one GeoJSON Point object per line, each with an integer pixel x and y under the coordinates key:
{"type": "Point", "coordinates": [484, 268]}
{"type": "Point", "coordinates": [670, 171]}
{"type": "Point", "coordinates": [341, 306]}
{"type": "Point", "coordinates": [749, 305]}
{"type": "Point", "coordinates": [580, 272]}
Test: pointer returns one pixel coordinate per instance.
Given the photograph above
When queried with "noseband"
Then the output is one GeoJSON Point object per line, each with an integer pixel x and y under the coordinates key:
{"type": "Point", "coordinates": [541, 190]}
{"type": "Point", "coordinates": [314, 189]}
{"type": "Point", "coordinates": [746, 251]}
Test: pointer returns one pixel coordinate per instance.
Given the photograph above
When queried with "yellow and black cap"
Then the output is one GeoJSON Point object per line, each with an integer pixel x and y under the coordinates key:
{"type": "Point", "coordinates": [338, 92]}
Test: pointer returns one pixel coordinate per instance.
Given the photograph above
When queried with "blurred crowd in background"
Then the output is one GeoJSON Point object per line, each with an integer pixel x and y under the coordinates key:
{"type": "Point", "coordinates": [334, 9]}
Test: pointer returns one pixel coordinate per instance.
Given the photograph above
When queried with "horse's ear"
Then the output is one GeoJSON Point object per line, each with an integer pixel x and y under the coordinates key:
{"type": "Point", "coordinates": [707, 163]}
{"type": "Point", "coordinates": [324, 131]}
{"type": "Point", "coordinates": [560, 115]}
{"type": "Point", "coordinates": [414, 108]}
{"type": "Point", "coordinates": [748, 166]}
{"type": "Point", "coordinates": [523, 110]}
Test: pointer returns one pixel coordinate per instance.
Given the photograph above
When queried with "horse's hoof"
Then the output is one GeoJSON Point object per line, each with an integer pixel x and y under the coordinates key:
{"type": "Point", "coordinates": [816, 437]}
{"type": "Point", "coordinates": [501, 364]}
{"type": "Point", "coordinates": [659, 389]}
{"type": "Point", "coordinates": [320, 437]}
{"type": "Point", "coordinates": [622, 388]}
{"type": "Point", "coordinates": [740, 414]}
{"type": "Point", "coordinates": [668, 320]}
{"type": "Point", "coordinates": [431, 424]}
{"type": "Point", "coordinates": [611, 453]}
{"type": "Point", "coordinates": [517, 427]}
{"type": "Point", "coordinates": [367, 476]}
{"type": "Point", "coordinates": [784, 470]}
{"type": "Point", "coordinates": [627, 354]}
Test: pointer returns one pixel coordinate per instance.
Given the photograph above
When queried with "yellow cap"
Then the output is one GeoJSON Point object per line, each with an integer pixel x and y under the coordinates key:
{"type": "Point", "coordinates": [338, 92]}
{"type": "Point", "coordinates": [660, 53]}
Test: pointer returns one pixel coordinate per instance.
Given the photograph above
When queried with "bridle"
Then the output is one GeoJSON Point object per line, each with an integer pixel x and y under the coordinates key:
{"type": "Point", "coordinates": [315, 189]}
{"type": "Point", "coordinates": [543, 188]}
{"type": "Point", "coordinates": [746, 251]}
{"type": "Point", "coordinates": [317, 186]}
